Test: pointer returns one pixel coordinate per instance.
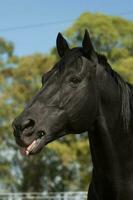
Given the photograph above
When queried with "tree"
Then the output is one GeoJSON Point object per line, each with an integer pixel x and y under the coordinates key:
{"type": "Point", "coordinates": [108, 33]}
{"type": "Point", "coordinates": [6, 58]}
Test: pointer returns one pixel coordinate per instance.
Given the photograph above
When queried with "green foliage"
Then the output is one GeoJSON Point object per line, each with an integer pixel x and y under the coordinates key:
{"type": "Point", "coordinates": [64, 164]}
{"type": "Point", "coordinates": [125, 68]}
{"type": "Point", "coordinates": [107, 33]}
{"type": "Point", "coordinates": [6, 48]}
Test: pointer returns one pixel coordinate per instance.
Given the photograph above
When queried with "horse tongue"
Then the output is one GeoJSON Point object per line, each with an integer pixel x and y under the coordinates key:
{"type": "Point", "coordinates": [23, 151]}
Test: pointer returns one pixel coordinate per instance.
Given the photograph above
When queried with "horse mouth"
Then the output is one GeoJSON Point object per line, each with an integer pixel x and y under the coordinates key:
{"type": "Point", "coordinates": [36, 145]}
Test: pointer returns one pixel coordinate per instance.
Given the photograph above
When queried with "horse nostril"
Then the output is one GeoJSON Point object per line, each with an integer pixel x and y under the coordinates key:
{"type": "Point", "coordinates": [29, 123]}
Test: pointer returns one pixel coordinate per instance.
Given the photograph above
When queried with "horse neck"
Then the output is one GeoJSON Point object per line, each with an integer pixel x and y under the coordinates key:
{"type": "Point", "coordinates": [111, 145]}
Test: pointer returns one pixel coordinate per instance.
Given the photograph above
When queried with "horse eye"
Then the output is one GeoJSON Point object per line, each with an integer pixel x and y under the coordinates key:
{"type": "Point", "coordinates": [75, 80]}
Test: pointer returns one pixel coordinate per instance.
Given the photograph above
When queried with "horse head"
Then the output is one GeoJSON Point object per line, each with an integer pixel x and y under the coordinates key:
{"type": "Point", "coordinates": [66, 103]}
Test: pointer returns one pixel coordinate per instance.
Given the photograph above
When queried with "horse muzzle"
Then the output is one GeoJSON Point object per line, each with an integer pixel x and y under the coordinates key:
{"type": "Point", "coordinates": [27, 137]}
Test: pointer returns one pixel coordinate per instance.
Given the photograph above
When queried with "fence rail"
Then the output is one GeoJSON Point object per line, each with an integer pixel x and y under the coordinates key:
{"type": "Point", "coordinates": [44, 196]}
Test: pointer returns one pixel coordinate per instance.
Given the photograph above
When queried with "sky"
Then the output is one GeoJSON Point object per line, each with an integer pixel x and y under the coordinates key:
{"type": "Point", "coordinates": [32, 25]}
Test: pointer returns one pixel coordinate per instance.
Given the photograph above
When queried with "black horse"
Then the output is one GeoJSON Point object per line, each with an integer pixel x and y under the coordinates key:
{"type": "Point", "coordinates": [83, 93]}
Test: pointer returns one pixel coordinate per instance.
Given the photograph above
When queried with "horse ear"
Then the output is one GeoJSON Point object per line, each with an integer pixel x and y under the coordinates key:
{"type": "Point", "coordinates": [87, 45]}
{"type": "Point", "coordinates": [61, 44]}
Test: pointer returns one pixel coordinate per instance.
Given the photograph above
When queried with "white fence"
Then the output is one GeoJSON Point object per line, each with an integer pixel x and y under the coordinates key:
{"type": "Point", "coordinates": [44, 196]}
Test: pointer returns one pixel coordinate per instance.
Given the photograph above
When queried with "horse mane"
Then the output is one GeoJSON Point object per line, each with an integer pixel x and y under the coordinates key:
{"type": "Point", "coordinates": [126, 91]}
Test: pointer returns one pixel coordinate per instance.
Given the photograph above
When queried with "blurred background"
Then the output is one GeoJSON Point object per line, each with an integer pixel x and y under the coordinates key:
{"type": "Point", "coordinates": [28, 31]}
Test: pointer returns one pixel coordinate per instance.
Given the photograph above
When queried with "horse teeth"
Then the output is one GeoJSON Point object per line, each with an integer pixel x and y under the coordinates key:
{"type": "Point", "coordinates": [27, 152]}
{"type": "Point", "coordinates": [31, 146]}
{"type": "Point", "coordinates": [38, 140]}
